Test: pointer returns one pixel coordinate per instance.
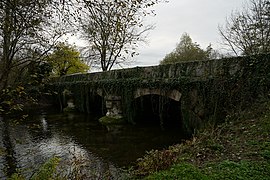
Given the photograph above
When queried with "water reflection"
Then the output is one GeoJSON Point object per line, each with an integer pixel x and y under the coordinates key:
{"type": "Point", "coordinates": [80, 141]}
{"type": "Point", "coordinates": [8, 149]}
{"type": "Point", "coordinates": [44, 123]}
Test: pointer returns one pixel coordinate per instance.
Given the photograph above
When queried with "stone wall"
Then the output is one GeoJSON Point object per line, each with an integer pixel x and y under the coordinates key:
{"type": "Point", "coordinates": [192, 70]}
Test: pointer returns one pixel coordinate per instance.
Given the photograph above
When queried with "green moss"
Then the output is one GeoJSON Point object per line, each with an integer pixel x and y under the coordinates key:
{"type": "Point", "coordinates": [105, 120]}
{"type": "Point", "coordinates": [69, 109]}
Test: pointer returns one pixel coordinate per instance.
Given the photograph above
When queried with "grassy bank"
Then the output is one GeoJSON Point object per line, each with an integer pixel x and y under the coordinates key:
{"type": "Point", "coordinates": [236, 149]}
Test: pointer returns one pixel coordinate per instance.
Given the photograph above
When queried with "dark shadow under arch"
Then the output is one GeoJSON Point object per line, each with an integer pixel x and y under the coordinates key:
{"type": "Point", "coordinates": [94, 104]}
{"type": "Point", "coordinates": [156, 110]}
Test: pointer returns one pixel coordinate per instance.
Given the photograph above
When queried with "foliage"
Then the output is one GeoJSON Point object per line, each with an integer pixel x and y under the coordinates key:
{"type": "Point", "coordinates": [13, 100]}
{"type": "Point", "coordinates": [66, 60]}
{"type": "Point", "coordinates": [155, 160]}
{"type": "Point", "coordinates": [113, 29]}
{"type": "Point", "coordinates": [248, 32]}
{"type": "Point", "coordinates": [16, 176]}
{"type": "Point", "coordinates": [187, 50]}
{"type": "Point", "coordinates": [47, 170]}
{"type": "Point", "coordinates": [38, 73]}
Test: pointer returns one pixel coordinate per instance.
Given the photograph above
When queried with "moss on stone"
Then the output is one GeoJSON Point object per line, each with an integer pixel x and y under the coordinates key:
{"type": "Point", "coordinates": [105, 120]}
{"type": "Point", "coordinates": [69, 109]}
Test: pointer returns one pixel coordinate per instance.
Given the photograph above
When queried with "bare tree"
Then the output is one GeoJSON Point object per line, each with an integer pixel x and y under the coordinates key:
{"type": "Point", "coordinates": [26, 34]}
{"type": "Point", "coordinates": [248, 32]}
{"type": "Point", "coordinates": [113, 30]}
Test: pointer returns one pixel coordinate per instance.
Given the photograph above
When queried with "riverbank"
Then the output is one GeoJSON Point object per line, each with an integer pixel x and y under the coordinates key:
{"type": "Point", "coordinates": [236, 149]}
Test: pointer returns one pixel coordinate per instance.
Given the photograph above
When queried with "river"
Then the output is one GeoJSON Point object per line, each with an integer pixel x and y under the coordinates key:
{"type": "Point", "coordinates": [79, 140]}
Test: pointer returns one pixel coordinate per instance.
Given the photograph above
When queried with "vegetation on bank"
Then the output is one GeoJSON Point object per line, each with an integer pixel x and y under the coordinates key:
{"type": "Point", "coordinates": [236, 149]}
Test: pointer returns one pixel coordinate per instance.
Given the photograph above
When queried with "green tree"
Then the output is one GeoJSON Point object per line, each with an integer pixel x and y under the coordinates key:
{"type": "Point", "coordinates": [65, 59]}
{"type": "Point", "coordinates": [187, 50]}
{"type": "Point", "coordinates": [247, 32]}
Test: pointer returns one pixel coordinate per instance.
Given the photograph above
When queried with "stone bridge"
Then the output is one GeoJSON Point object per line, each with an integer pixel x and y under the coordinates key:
{"type": "Point", "coordinates": [192, 92]}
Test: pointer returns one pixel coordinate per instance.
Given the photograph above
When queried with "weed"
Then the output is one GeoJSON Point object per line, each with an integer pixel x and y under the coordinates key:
{"type": "Point", "coordinates": [47, 170]}
{"type": "Point", "coordinates": [155, 161]}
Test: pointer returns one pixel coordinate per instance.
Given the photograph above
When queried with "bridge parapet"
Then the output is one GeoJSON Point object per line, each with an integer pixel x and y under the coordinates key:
{"type": "Point", "coordinates": [192, 70]}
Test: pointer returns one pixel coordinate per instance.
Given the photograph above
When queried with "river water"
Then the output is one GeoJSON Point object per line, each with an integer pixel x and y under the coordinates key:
{"type": "Point", "coordinates": [79, 140]}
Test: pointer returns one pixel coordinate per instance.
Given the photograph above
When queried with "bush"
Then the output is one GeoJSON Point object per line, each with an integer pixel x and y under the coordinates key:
{"type": "Point", "coordinates": [155, 160]}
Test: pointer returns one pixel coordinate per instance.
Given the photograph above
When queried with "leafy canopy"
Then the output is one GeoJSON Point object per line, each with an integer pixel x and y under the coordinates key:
{"type": "Point", "coordinates": [65, 60]}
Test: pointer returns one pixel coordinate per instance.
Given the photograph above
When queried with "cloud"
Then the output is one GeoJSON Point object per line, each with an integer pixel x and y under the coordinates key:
{"type": "Point", "coordinates": [199, 18]}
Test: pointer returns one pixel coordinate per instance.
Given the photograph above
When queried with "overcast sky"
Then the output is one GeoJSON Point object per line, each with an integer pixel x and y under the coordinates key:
{"type": "Point", "coordinates": [199, 18]}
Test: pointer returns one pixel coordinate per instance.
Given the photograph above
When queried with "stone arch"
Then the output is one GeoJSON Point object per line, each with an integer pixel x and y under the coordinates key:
{"type": "Point", "coordinates": [157, 106]}
{"type": "Point", "coordinates": [89, 100]}
{"type": "Point", "coordinates": [66, 99]}
{"type": "Point", "coordinates": [172, 94]}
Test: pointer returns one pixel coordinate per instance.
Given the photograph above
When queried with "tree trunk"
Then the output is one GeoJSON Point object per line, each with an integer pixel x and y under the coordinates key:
{"type": "Point", "coordinates": [6, 59]}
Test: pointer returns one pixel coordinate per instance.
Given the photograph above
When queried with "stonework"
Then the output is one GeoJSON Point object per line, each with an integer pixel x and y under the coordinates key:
{"type": "Point", "coordinates": [113, 106]}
